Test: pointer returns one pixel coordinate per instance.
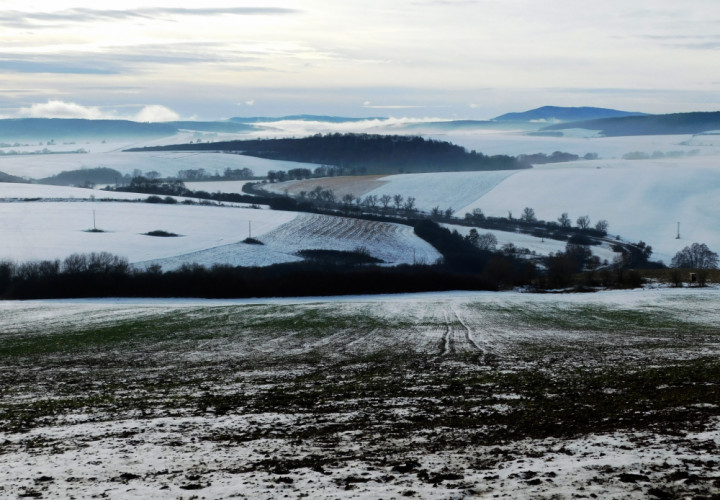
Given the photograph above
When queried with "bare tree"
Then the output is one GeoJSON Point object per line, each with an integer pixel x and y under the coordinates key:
{"type": "Point", "coordinates": [409, 204]}
{"type": "Point", "coordinates": [602, 226]}
{"type": "Point", "coordinates": [316, 193]}
{"type": "Point", "coordinates": [371, 200]}
{"type": "Point", "coordinates": [348, 199]}
{"type": "Point", "coordinates": [564, 220]}
{"type": "Point", "coordinates": [327, 196]}
{"type": "Point", "coordinates": [385, 200]}
{"type": "Point", "coordinates": [398, 199]}
{"type": "Point", "coordinates": [696, 256]}
{"type": "Point", "coordinates": [487, 241]}
{"type": "Point", "coordinates": [528, 215]}
{"type": "Point", "coordinates": [583, 222]}
{"type": "Point", "coordinates": [476, 216]}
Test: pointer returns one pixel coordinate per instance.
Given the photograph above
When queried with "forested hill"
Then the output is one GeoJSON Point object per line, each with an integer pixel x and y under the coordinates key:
{"type": "Point", "coordinates": [676, 123]}
{"type": "Point", "coordinates": [565, 114]}
{"type": "Point", "coordinates": [363, 153]}
{"type": "Point", "coordinates": [10, 178]}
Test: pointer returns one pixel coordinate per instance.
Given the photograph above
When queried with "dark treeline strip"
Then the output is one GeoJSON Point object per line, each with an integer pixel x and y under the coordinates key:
{"type": "Point", "coordinates": [50, 279]}
{"type": "Point", "coordinates": [675, 123]}
{"type": "Point", "coordinates": [367, 153]}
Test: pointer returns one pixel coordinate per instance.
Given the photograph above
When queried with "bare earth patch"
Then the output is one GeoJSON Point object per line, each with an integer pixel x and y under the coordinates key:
{"type": "Point", "coordinates": [340, 186]}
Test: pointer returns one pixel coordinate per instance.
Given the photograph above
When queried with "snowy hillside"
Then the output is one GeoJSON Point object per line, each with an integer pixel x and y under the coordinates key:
{"type": "Point", "coordinates": [642, 200]}
{"type": "Point", "coordinates": [392, 243]}
{"type": "Point", "coordinates": [208, 234]}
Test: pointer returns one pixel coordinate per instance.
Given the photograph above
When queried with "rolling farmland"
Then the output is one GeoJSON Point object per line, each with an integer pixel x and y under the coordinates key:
{"type": "Point", "coordinates": [441, 395]}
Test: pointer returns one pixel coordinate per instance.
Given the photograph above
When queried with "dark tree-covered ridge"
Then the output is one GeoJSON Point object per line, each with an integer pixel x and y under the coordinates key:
{"type": "Point", "coordinates": [362, 153]}
{"type": "Point", "coordinates": [670, 124]}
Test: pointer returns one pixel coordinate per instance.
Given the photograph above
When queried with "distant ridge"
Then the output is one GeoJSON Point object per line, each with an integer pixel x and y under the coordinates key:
{"type": "Point", "coordinates": [64, 128]}
{"type": "Point", "coordinates": [10, 178]}
{"type": "Point", "coordinates": [670, 124]}
{"type": "Point", "coordinates": [564, 114]}
{"type": "Point", "coordinates": [304, 118]}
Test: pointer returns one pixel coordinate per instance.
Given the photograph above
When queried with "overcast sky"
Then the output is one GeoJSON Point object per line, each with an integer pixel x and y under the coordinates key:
{"type": "Point", "coordinates": [156, 60]}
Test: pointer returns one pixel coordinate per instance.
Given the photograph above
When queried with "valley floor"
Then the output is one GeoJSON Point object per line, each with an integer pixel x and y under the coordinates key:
{"type": "Point", "coordinates": [442, 395]}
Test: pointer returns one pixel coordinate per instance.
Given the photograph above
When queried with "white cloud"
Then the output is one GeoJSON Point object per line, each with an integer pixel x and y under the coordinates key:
{"type": "Point", "coordinates": [251, 102]}
{"type": "Point", "coordinates": [62, 109]}
{"type": "Point", "coordinates": [156, 113]}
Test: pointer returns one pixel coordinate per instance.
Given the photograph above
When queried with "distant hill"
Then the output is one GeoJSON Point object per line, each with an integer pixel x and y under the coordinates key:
{"type": "Point", "coordinates": [83, 177]}
{"type": "Point", "coordinates": [61, 128]}
{"type": "Point", "coordinates": [564, 114]}
{"type": "Point", "coordinates": [64, 128]}
{"type": "Point", "coordinates": [304, 118]}
{"type": "Point", "coordinates": [670, 124]}
{"type": "Point", "coordinates": [354, 154]}
{"type": "Point", "coordinates": [449, 125]}
{"type": "Point", "coordinates": [10, 178]}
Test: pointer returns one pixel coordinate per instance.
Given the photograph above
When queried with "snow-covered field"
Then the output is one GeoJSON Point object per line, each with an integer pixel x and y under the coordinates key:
{"type": "Point", "coordinates": [641, 199]}
{"type": "Point", "coordinates": [111, 155]}
{"type": "Point", "coordinates": [208, 234]}
{"type": "Point", "coordinates": [582, 142]}
{"type": "Point", "coordinates": [16, 192]}
{"type": "Point", "coordinates": [392, 243]}
{"type": "Point", "coordinates": [441, 395]}
{"type": "Point", "coordinates": [54, 230]}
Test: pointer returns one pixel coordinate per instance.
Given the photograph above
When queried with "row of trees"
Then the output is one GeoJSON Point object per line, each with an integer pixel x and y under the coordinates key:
{"type": "Point", "coordinates": [106, 275]}
{"type": "Point", "coordinates": [229, 174]}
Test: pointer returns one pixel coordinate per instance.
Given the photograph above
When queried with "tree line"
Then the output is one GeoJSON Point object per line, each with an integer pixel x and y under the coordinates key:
{"type": "Point", "coordinates": [106, 275]}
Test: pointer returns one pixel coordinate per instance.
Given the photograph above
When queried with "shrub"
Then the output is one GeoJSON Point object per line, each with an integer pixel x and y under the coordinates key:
{"type": "Point", "coordinates": [161, 233]}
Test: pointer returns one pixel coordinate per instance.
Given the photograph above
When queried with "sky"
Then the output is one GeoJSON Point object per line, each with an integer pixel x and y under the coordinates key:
{"type": "Point", "coordinates": [158, 60]}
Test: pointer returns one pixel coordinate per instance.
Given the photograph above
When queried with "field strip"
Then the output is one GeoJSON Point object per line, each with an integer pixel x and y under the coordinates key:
{"type": "Point", "coordinates": [468, 331]}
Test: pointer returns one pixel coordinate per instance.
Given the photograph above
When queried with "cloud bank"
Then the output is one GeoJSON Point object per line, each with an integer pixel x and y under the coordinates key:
{"type": "Point", "coordinates": [63, 109]}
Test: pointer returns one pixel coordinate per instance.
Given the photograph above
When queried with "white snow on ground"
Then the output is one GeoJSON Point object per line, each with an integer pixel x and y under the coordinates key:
{"type": "Point", "coordinates": [516, 143]}
{"type": "Point", "coordinates": [641, 200]}
{"type": "Point", "coordinates": [208, 234]}
{"type": "Point", "coordinates": [19, 191]}
{"type": "Point", "coordinates": [54, 230]}
{"type": "Point", "coordinates": [87, 452]}
{"type": "Point", "coordinates": [166, 163]}
{"type": "Point", "coordinates": [392, 243]}
{"type": "Point", "coordinates": [443, 189]}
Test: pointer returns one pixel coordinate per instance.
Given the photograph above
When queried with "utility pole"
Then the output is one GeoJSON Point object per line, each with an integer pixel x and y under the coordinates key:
{"type": "Point", "coordinates": [678, 231]}
{"type": "Point", "coordinates": [249, 229]}
{"type": "Point", "coordinates": [94, 227]}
